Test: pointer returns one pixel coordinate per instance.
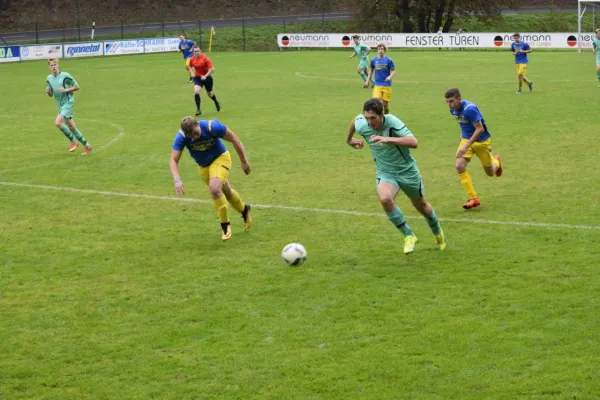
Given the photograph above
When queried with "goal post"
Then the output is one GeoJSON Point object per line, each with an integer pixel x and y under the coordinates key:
{"type": "Point", "coordinates": [582, 7]}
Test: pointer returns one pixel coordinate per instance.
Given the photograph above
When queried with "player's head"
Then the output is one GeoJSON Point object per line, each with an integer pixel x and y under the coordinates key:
{"type": "Point", "coordinates": [53, 65]}
{"type": "Point", "coordinates": [196, 50]}
{"type": "Point", "coordinates": [517, 37]}
{"type": "Point", "coordinates": [373, 112]}
{"type": "Point", "coordinates": [356, 39]}
{"type": "Point", "coordinates": [190, 128]}
{"type": "Point", "coordinates": [598, 33]}
{"type": "Point", "coordinates": [381, 49]}
{"type": "Point", "coordinates": [453, 98]}
{"type": "Point", "coordinates": [182, 38]}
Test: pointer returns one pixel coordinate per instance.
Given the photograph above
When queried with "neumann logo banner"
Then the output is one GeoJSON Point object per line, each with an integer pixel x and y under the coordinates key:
{"type": "Point", "coordinates": [84, 49]}
{"type": "Point", "coordinates": [41, 52]}
{"type": "Point", "coordinates": [123, 47]}
{"type": "Point", "coordinates": [159, 45]}
{"type": "Point", "coordinates": [444, 40]}
{"type": "Point", "coordinates": [9, 53]}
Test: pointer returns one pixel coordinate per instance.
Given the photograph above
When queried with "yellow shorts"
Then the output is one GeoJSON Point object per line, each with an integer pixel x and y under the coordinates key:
{"type": "Point", "coordinates": [383, 92]}
{"type": "Point", "coordinates": [483, 151]}
{"type": "Point", "coordinates": [218, 169]}
{"type": "Point", "coordinates": [521, 69]}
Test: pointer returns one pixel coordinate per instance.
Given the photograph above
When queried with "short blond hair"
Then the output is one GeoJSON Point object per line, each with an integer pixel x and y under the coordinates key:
{"type": "Point", "coordinates": [188, 124]}
{"type": "Point", "coordinates": [51, 60]}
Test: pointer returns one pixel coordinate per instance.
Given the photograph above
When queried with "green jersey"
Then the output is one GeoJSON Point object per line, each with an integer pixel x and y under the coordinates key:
{"type": "Point", "coordinates": [63, 79]}
{"type": "Point", "coordinates": [596, 44]}
{"type": "Point", "coordinates": [361, 50]}
{"type": "Point", "coordinates": [388, 158]}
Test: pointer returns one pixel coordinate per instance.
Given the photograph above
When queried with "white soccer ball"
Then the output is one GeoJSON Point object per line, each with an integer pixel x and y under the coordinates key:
{"type": "Point", "coordinates": [293, 254]}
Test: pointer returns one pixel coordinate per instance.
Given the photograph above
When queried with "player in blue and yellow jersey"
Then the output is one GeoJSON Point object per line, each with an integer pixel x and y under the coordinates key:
{"type": "Point", "coordinates": [475, 139]}
{"type": "Point", "coordinates": [185, 47]}
{"type": "Point", "coordinates": [63, 86]}
{"type": "Point", "coordinates": [596, 45]}
{"type": "Point", "coordinates": [361, 51]}
{"type": "Point", "coordinates": [390, 142]}
{"type": "Point", "coordinates": [520, 50]}
{"type": "Point", "coordinates": [203, 140]}
{"type": "Point", "coordinates": [383, 68]}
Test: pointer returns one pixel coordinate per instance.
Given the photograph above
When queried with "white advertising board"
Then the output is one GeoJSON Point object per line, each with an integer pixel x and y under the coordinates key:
{"type": "Point", "coordinates": [113, 48]}
{"type": "Point", "coordinates": [41, 52]}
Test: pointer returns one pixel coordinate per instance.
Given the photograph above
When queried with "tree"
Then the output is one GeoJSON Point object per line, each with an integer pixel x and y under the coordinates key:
{"type": "Point", "coordinates": [425, 15]}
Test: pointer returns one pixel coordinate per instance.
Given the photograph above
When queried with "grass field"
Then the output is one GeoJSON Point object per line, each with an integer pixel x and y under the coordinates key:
{"type": "Point", "coordinates": [113, 288]}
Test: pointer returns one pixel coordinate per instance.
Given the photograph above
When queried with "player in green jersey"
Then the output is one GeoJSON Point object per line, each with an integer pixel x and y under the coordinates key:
{"type": "Point", "coordinates": [362, 51]}
{"type": "Point", "coordinates": [390, 141]}
{"type": "Point", "coordinates": [62, 86]}
{"type": "Point", "coordinates": [596, 44]}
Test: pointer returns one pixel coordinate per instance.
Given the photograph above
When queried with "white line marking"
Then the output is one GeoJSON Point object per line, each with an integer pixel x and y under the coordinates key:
{"type": "Point", "coordinates": [121, 133]}
{"type": "Point", "coordinates": [302, 209]}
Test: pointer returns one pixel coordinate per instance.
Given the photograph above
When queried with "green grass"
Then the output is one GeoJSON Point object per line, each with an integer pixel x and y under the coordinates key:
{"type": "Point", "coordinates": [105, 295]}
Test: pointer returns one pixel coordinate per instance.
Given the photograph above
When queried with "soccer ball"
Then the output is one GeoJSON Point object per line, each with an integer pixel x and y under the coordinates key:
{"type": "Point", "coordinates": [293, 254]}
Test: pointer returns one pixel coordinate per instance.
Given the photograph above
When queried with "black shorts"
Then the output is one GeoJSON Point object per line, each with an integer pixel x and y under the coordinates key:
{"type": "Point", "coordinates": [207, 83]}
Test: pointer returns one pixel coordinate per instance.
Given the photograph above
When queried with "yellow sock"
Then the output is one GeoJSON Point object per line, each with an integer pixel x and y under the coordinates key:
{"type": "Point", "coordinates": [386, 109]}
{"type": "Point", "coordinates": [467, 184]}
{"type": "Point", "coordinates": [222, 210]}
{"type": "Point", "coordinates": [236, 201]}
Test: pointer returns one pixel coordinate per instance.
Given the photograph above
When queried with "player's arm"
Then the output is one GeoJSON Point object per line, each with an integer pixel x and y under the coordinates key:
{"type": "Point", "coordinates": [512, 49]}
{"type": "Point", "coordinates": [210, 71]}
{"type": "Point", "coordinates": [369, 77]}
{"type": "Point", "coordinates": [174, 165]}
{"type": "Point", "coordinates": [239, 149]}
{"type": "Point", "coordinates": [69, 90]}
{"type": "Point", "coordinates": [594, 48]}
{"type": "Point", "coordinates": [526, 49]}
{"type": "Point", "coordinates": [49, 91]}
{"type": "Point", "coordinates": [392, 74]}
{"type": "Point", "coordinates": [404, 141]}
{"type": "Point", "coordinates": [355, 143]}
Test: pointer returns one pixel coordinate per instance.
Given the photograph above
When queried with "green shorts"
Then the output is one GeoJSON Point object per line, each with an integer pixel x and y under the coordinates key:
{"type": "Point", "coordinates": [363, 64]}
{"type": "Point", "coordinates": [409, 182]}
{"type": "Point", "coordinates": [66, 111]}
{"type": "Point", "coordinates": [598, 59]}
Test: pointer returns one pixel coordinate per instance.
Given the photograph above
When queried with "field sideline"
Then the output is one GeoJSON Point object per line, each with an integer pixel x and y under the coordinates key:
{"type": "Point", "coordinates": [112, 287]}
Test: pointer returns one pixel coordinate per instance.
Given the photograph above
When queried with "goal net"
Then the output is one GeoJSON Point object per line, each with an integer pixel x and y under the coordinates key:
{"type": "Point", "coordinates": [583, 6]}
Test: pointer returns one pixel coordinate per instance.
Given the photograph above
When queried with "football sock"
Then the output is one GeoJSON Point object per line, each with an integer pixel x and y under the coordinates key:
{"type": "Point", "coordinates": [80, 137]}
{"type": "Point", "coordinates": [236, 201]}
{"type": "Point", "coordinates": [65, 130]}
{"type": "Point", "coordinates": [214, 98]}
{"type": "Point", "coordinates": [197, 98]}
{"type": "Point", "coordinates": [222, 210]}
{"type": "Point", "coordinates": [363, 76]}
{"type": "Point", "coordinates": [224, 226]}
{"type": "Point", "coordinates": [433, 223]}
{"type": "Point", "coordinates": [496, 163]}
{"type": "Point", "coordinates": [397, 218]}
{"type": "Point", "coordinates": [599, 75]}
{"type": "Point", "coordinates": [386, 109]}
{"type": "Point", "coordinates": [467, 184]}
{"type": "Point", "coordinates": [527, 81]}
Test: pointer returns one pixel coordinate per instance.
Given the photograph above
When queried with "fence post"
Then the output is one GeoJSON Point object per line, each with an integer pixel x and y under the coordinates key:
{"type": "Point", "coordinates": [37, 37]}
{"type": "Point", "coordinates": [243, 28]}
{"type": "Point", "coordinates": [78, 22]}
{"type": "Point", "coordinates": [122, 37]}
{"type": "Point", "coordinates": [284, 26]}
{"type": "Point", "coordinates": [200, 33]}
{"type": "Point", "coordinates": [162, 26]}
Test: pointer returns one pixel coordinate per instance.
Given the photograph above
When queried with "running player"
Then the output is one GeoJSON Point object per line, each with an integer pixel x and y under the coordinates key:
{"type": "Point", "coordinates": [384, 70]}
{"type": "Point", "coordinates": [185, 47]}
{"type": "Point", "coordinates": [520, 50]}
{"type": "Point", "coordinates": [203, 68]}
{"type": "Point", "coordinates": [361, 51]}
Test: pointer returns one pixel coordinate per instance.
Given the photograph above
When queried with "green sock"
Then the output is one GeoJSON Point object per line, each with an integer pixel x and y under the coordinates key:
{"type": "Point", "coordinates": [397, 218]}
{"type": "Point", "coordinates": [599, 75]}
{"type": "Point", "coordinates": [66, 132]}
{"type": "Point", "coordinates": [434, 224]}
{"type": "Point", "coordinates": [80, 137]}
{"type": "Point", "coordinates": [363, 76]}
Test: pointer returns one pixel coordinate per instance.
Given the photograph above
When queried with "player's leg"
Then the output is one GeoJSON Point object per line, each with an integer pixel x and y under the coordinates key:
{"type": "Point", "coordinates": [186, 65]}
{"type": "Point", "coordinates": [411, 184]}
{"type": "Point", "coordinates": [60, 124]}
{"type": "Point", "coordinates": [527, 81]}
{"type": "Point", "coordinates": [238, 204]}
{"type": "Point", "coordinates": [362, 67]}
{"type": "Point", "coordinates": [197, 87]}
{"type": "Point", "coordinates": [465, 178]}
{"type": "Point", "coordinates": [598, 69]}
{"type": "Point", "coordinates": [492, 165]}
{"type": "Point", "coordinates": [79, 135]}
{"type": "Point", "coordinates": [208, 85]}
{"type": "Point", "coordinates": [387, 189]}
{"type": "Point", "coordinates": [386, 97]}
{"type": "Point", "coordinates": [215, 175]}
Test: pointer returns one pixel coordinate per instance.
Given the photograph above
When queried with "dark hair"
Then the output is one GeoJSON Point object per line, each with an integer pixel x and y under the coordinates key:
{"type": "Point", "coordinates": [382, 45]}
{"type": "Point", "coordinates": [454, 92]}
{"type": "Point", "coordinates": [516, 34]}
{"type": "Point", "coordinates": [374, 105]}
{"type": "Point", "coordinates": [355, 37]}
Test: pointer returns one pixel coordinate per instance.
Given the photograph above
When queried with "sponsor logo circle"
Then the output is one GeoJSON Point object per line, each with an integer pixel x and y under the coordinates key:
{"type": "Point", "coordinates": [285, 40]}
{"type": "Point", "coordinates": [346, 41]}
{"type": "Point", "coordinates": [498, 41]}
{"type": "Point", "coordinates": [571, 41]}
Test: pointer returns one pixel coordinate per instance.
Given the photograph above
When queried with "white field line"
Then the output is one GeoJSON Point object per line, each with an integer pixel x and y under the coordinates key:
{"type": "Point", "coordinates": [120, 135]}
{"type": "Point", "coordinates": [525, 224]}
